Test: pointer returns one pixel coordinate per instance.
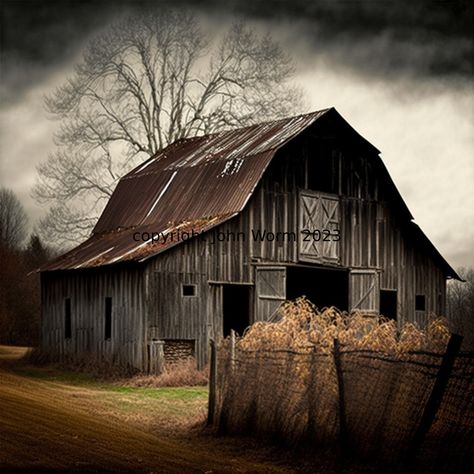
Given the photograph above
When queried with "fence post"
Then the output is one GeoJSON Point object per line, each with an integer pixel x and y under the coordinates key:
{"type": "Point", "coordinates": [211, 408]}
{"type": "Point", "coordinates": [311, 429]}
{"type": "Point", "coordinates": [232, 350]}
{"type": "Point", "coordinates": [436, 396]}
{"type": "Point", "coordinates": [342, 401]}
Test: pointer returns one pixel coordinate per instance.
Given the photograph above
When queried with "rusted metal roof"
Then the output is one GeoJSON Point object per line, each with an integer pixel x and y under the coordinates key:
{"type": "Point", "coordinates": [199, 177]}
{"type": "Point", "coordinates": [135, 244]}
{"type": "Point", "coordinates": [191, 185]}
{"type": "Point", "coordinates": [194, 183]}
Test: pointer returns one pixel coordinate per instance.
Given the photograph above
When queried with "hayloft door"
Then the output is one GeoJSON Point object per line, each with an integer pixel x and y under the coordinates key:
{"type": "Point", "coordinates": [270, 291]}
{"type": "Point", "coordinates": [319, 227]}
{"type": "Point", "coordinates": [364, 291]}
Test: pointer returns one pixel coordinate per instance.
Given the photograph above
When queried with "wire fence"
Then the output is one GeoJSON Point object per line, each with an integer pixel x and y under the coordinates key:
{"type": "Point", "coordinates": [371, 404]}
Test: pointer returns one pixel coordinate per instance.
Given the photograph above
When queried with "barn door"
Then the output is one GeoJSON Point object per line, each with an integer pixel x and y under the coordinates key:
{"type": "Point", "coordinates": [364, 291]}
{"type": "Point", "coordinates": [270, 291]}
{"type": "Point", "coordinates": [319, 227]}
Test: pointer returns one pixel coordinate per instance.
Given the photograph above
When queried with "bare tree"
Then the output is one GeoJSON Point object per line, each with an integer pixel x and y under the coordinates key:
{"type": "Point", "coordinates": [460, 305]}
{"type": "Point", "coordinates": [146, 82]}
{"type": "Point", "coordinates": [13, 219]}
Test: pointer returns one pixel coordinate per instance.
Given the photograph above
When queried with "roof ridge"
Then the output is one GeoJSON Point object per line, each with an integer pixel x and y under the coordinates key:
{"type": "Point", "coordinates": [183, 140]}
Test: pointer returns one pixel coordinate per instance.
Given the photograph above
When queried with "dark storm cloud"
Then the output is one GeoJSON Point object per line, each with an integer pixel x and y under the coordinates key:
{"type": "Point", "coordinates": [37, 36]}
{"type": "Point", "coordinates": [421, 38]}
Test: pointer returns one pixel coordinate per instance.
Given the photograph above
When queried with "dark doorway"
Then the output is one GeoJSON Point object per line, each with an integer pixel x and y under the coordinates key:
{"type": "Point", "coordinates": [388, 303]}
{"type": "Point", "coordinates": [323, 287]}
{"type": "Point", "coordinates": [236, 306]}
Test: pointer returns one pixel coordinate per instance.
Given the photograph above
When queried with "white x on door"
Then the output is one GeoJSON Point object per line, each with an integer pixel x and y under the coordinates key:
{"type": "Point", "coordinates": [319, 227]}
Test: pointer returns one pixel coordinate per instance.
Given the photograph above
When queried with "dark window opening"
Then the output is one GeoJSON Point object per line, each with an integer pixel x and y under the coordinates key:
{"type": "Point", "coordinates": [324, 288]}
{"type": "Point", "coordinates": [67, 318]}
{"type": "Point", "coordinates": [108, 318]}
{"type": "Point", "coordinates": [189, 290]}
{"type": "Point", "coordinates": [420, 302]}
{"type": "Point", "coordinates": [236, 306]}
{"type": "Point", "coordinates": [323, 171]}
{"type": "Point", "coordinates": [388, 303]}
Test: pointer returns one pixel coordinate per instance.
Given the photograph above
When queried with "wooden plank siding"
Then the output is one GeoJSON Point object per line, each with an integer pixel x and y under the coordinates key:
{"type": "Point", "coordinates": [87, 291]}
{"type": "Point", "coordinates": [149, 303]}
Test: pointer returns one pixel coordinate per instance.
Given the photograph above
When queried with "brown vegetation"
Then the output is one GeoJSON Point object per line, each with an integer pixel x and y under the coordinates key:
{"type": "Point", "coordinates": [302, 326]}
{"type": "Point", "coordinates": [182, 373]}
{"type": "Point", "coordinates": [327, 379]}
{"type": "Point", "coordinates": [178, 374]}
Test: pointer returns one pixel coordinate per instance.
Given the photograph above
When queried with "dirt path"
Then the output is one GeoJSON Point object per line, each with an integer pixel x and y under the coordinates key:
{"type": "Point", "coordinates": [47, 427]}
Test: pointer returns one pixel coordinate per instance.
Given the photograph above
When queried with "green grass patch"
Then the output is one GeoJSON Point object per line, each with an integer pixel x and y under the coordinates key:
{"type": "Point", "coordinates": [172, 403]}
{"type": "Point", "coordinates": [172, 393]}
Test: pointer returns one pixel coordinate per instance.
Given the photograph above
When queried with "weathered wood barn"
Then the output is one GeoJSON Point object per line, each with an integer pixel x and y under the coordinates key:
{"type": "Point", "coordinates": [214, 232]}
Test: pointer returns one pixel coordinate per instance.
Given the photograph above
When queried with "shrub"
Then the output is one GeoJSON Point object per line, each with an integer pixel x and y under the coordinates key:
{"type": "Point", "coordinates": [302, 326]}
{"type": "Point", "coordinates": [177, 374]}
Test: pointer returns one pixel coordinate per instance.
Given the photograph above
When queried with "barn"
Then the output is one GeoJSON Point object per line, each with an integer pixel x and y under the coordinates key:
{"type": "Point", "coordinates": [214, 232]}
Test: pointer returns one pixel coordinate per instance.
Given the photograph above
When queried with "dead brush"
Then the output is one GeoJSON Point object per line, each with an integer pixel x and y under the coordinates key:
{"type": "Point", "coordinates": [92, 364]}
{"type": "Point", "coordinates": [178, 374]}
{"type": "Point", "coordinates": [282, 379]}
{"type": "Point", "coordinates": [303, 327]}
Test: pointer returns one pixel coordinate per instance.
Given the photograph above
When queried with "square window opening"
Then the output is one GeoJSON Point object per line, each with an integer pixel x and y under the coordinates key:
{"type": "Point", "coordinates": [420, 303]}
{"type": "Point", "coordinates": [189, 290]}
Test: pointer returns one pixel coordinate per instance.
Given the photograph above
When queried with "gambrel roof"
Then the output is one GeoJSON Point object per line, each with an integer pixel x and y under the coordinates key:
{"type": "Point", "coordinates": [195, 184]}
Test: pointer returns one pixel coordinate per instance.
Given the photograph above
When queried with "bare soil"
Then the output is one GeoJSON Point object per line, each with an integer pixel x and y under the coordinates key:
{"type": "Point", "coordinates": [49, 424]}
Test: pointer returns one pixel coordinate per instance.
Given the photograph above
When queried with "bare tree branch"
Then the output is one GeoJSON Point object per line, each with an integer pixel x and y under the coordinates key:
{"type": "Point", "coordinates": [13, 220]}
{"type": "Point", "coordinates": [144, 83]}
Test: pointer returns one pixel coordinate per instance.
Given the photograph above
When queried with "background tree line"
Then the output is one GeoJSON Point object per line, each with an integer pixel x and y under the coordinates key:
{"type": "Point", "coordinates": [460, 306]}
{"type": "Point", "coordinates": [20, 255]}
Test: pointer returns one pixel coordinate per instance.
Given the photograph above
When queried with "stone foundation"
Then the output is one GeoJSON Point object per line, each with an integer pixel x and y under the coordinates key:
{"type": "Point", "coordinates": [176, 350]}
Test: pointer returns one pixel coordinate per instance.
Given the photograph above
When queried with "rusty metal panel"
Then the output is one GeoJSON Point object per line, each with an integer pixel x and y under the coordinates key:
{"type": "Point", "coordinates": [193, 184]}
{"type": "Point", "coordinates": [128, 245]}
{"type": "Point", "coordinates": [199, 177]}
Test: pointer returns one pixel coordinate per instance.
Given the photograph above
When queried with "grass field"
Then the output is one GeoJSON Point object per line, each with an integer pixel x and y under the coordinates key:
{"type": "Point", "coordinates": [60, 421]}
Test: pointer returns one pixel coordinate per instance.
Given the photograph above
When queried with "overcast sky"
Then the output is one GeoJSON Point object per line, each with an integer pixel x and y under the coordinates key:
{"type": "Point", "coordinates": [399, 71]}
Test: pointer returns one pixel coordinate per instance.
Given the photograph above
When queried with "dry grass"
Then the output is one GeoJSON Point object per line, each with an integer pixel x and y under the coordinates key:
{"type": "Point", "coordinates": [302, 327]}
{"type": "Point", "coordinates": [179, 374]}
{"type": "Point", "coordinates": [91, 364]}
